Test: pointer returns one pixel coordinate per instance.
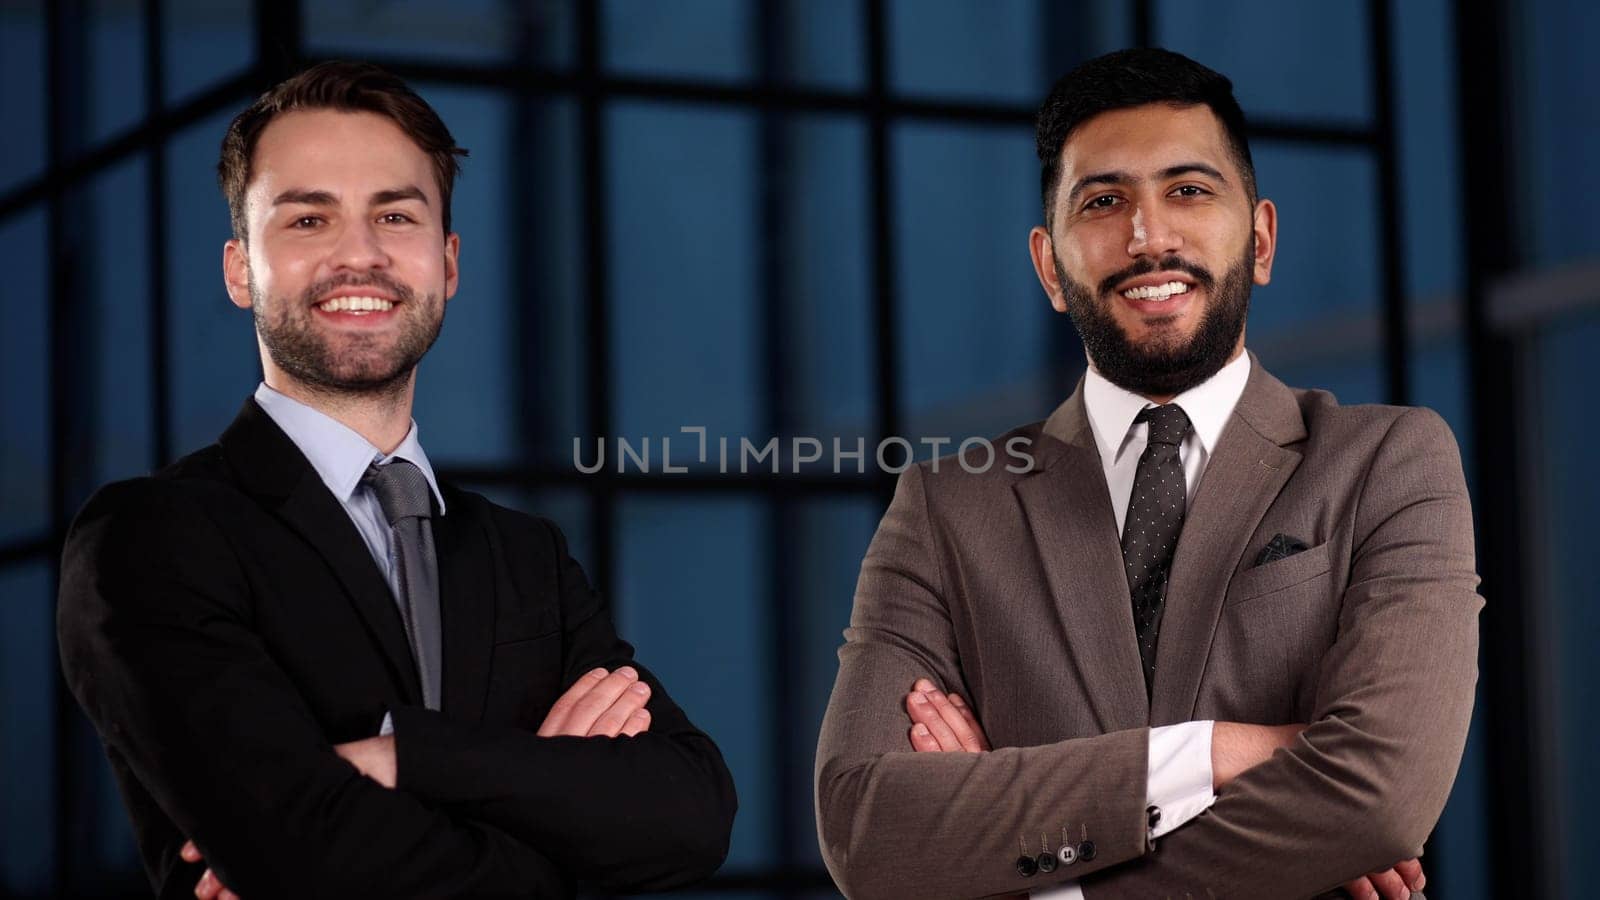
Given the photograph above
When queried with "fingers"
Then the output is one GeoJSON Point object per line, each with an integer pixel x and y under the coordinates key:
{"type": "Point", "coordinates": [924, 713]}
{"type": "Point", "coordinates": [1361, 889]}
{"type": "Point", "coordinates": [555, 722]}
{"type": "Point", "coordinates": [1411, 871]}
{"type": "Point", "coordinates": [190, 852]}
{"type": "Point", "coordinates": [1389, 885]}
{"type": "Point", "coordinates": [969, 736]}
{"type": "Point", "coordinates": [227, 895]}
{"type": "Point", "coordinates": [614, 717]}
{"type": "Point", "coordinates": [923, 740]}
{"type": "Point", "coordinates": [591, 706]}
{"type": "Point", "coordinates": [971, 720]}
{"type": "Point", "coordinates": [208, 887]}
{"type": "Point", "coordinates": [637, 723]}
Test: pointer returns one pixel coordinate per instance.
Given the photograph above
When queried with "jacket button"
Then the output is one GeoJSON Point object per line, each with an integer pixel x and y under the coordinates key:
{"type": "Point", "coordinates": [1086, 851]}
{"type": "Point", "coordinates": [1068, 854]}
{"type": "Point", "coordinates": [1047, 863]}
{"type": "Point", "coordinates": [1026, 866]}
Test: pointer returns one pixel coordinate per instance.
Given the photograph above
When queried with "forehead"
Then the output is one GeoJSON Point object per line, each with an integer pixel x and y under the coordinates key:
{"type": "Point", "coordinates": [345, 153]}
{"type": "Point", "coordinates": [1145, 139]}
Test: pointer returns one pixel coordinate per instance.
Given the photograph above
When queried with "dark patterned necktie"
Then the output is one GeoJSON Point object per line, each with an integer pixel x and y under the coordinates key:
{"type": "Point", "coordinates": [1154, 520]}
{"type": "Point", "coordinates": [403, 493]}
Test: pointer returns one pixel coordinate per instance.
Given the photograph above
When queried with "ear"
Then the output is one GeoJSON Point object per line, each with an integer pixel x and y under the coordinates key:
{"type": "Point", "coordinates": [452, 267]}
{"type": "Point", "coordinates": [236, 272]}
{"type": "Point", "coordinates": [1042, 249]}
{"type": "Point", "coordinates": [1266, 234]}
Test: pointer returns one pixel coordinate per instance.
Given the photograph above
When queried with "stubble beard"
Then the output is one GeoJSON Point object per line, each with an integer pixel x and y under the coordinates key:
{"type": "Point", "coordinates": [347, 365]}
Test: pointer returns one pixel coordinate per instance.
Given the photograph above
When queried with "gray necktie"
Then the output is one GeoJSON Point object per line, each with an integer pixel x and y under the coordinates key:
{"type": "Point", "coordinates": [407, 503]}
{"type": "Point", "coordinates": [1154, 520]}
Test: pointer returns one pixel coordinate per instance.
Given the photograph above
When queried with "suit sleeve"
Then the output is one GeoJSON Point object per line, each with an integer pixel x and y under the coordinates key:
{"type": "Point", "coordinates": [1363, 786]}
{"type": "Point", "coordinates": [895, 823]}
{"type": "Point", "coordinates": [157, 646]}
{"type": "Point", "coordinates": [650, 812]}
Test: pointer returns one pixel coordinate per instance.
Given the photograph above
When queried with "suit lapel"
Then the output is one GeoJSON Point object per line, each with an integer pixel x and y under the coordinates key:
{"type": "Point", "coordinates": [466, 607]}
{"type": "Point", "coordinates": [271, 467]}
{"type": "Point", "coordinates": [1068, 507]}
{"type": "Point", "coordinates": [1244, 475]}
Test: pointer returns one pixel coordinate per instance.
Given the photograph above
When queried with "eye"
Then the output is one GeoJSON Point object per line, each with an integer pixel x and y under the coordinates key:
{"type": "Point", "coordinates": [1191, 190]}
{"type": "Point", "coordinates": [395, 218]}
{"type": "Point", "coordinates": [304, 222]}
{"type": "Point", "coordinates": [1104, 201]}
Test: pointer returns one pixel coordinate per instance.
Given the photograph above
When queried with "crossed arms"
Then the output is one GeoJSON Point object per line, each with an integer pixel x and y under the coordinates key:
{"type": "Point", "coordinates": [161, 654]}
{"type": "Point", "coordinates": [1357, 790]}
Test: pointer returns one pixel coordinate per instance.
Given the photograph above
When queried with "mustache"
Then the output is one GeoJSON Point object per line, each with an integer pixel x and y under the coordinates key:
{"type": "Point", "coordinates": [1145, 266]}
{"type": "Point", "coordinates": [399, 290]}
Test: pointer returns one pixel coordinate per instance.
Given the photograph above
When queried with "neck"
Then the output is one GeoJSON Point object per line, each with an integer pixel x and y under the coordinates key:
{"type": "Point", "coordinates": [383, 417]}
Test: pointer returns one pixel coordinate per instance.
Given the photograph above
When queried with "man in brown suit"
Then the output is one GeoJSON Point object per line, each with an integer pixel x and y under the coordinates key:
{"type": "Point", "coordinates": [1222, 634]}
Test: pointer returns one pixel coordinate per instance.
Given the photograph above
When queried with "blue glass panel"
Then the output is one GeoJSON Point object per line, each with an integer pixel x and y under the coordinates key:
{"type": "Point", "coordinates": [538, 201]}
{"type": "Point", "coordinates": [464, 406]}
{"type": "Point", "coordinates": [826, 313]}
{"type": "Point", "coordinates": [25, 381]}
{"type": "Point", "coordinates": [206, 42]}
{"type": "Point", "coordinates": [1566, 494]}
{"type": "Point", "coordinates": [214, 361]}
{"type": "Point", "coordinates": [972, 51]}
{"type": "Point", "coordinates": [115, 63]}
{"type": "Point", "coordinates": [119, 291]}
{"type": "Point", "coordinates": [685, 296]}
{"type": "Point", "coordinates": [829, 539]}
{"type": "Point", "coordinates": [1265, 48]}
{"type": "Point", "coordinates": [690, 39]}
{"type": "Point", "coordinates": [824, 44]}
{"type": "Point", "coordinates": [1318, 324]}
{"type": "Point", "coordinates": [22, 87]}
{"type": "Point", "coordinates": [1430, 165]}
{"type": "Point", "coordinates": [27, 745]}
{"type": "Point", "coordinates": [477, 30]}
{"type": "Point", "coordinates": [1556, 130]}
{"type": "Point", "coordinates": [972, 324]}
{"type": "Point", "coordinates": [692, 596]}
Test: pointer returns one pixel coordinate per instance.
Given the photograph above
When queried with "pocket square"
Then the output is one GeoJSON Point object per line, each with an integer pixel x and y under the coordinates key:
{"type": "Point", "coordinates": [1280, 547]}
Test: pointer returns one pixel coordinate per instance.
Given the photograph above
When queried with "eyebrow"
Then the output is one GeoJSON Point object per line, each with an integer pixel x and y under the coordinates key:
{"type": "Point", "coordinates": [1122, 177]}
{"type": "Point", "coordinates": [326, 198]}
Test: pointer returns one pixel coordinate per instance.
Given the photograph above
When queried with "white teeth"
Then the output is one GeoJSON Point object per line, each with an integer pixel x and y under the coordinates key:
{"type": "Point", "coordinates": [356, 304]}
{"type": "Point", "coordinates": [1156, 292]}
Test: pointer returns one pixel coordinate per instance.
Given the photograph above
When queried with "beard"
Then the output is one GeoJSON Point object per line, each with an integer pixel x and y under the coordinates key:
{"type": "Point", "coordinates": [355, 364]}
{"type": "Point", "coordinates": [1164, 365]}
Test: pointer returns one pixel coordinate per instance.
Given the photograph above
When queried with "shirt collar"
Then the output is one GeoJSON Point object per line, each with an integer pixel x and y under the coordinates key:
{"type": "Point", "coordinates": [1208, 405]}
{"type": "Point", "coordinates": [339, 455]}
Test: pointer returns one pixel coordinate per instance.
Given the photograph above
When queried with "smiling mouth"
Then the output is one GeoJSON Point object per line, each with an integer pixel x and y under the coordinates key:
{"type": "Point", "coordinates": [1157, 292]}
{"type": "Point", "coordinates": [356, 305]}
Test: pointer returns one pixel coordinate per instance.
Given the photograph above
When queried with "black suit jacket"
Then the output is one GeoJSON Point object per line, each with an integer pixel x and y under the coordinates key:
{"type": "Point", "coordinates": [224, 625]}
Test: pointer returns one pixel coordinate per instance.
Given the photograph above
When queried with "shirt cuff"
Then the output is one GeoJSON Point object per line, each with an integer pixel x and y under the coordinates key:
{"type": "Point", "coordinates": [1068, 891]}
{"type": "Point", "coordinates": [388, 729]}
{"type": "Point", "coordinates": [1179, 786]}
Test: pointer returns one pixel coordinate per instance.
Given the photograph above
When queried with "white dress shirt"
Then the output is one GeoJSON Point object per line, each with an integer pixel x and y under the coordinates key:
{"type": "Point", "coordinates": [340, 457]}
{"type": "Point", "coordinates": [1179, 767]}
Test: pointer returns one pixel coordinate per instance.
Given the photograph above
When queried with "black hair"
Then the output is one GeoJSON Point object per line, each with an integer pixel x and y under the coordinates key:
{"type": "Point", "coordinates": [1129, 78]}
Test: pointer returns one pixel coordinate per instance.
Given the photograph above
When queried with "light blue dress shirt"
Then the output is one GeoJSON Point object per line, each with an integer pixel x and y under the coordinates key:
{"type": "Point", "coordinates": [340, 457]}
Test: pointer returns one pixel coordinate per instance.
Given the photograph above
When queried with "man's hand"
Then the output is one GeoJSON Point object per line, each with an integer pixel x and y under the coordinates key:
{"type": "Point", "coordinates": [1390, 884]}
{"type": "Point", "coordinates": [942, 722]}
{"type": "Point", "coordinates": [209, 887]}
{"type": "Point", "coordinates": [373, 757]}
{"type": "Point", "coordinates": [600, 704]}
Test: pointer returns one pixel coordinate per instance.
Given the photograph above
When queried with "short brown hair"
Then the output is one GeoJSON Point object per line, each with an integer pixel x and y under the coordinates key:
{"type": "Point", "coordinates": [349, 87]}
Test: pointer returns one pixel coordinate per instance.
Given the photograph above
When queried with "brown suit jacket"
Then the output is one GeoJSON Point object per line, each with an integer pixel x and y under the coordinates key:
{"type": "Point", "coordinates": [1008, 587]}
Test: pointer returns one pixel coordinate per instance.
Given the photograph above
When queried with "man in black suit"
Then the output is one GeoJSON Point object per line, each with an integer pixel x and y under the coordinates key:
{"type": "Point", "coordinates": [316, 670]}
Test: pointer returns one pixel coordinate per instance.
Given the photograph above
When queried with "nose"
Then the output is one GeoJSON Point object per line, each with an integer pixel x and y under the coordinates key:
{"type": "Point", "coordinates": [359, 248]}
{"type": "Point", "coordinates": [1152, 234]}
